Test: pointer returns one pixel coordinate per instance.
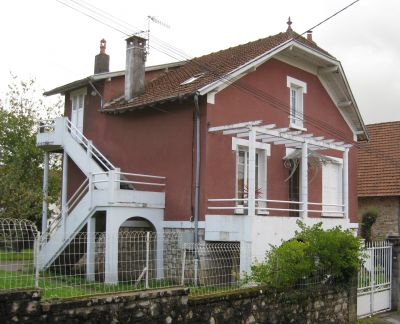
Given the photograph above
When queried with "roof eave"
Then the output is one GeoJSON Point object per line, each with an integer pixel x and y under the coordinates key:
{"type": "Point", "coordinates": [248, 66]}
{"type": "Point", "coordinates": [149, 104]}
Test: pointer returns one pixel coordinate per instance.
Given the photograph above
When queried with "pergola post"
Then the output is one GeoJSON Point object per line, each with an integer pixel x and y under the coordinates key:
{"type": "Point", "coordinates": [252, 173]}
{"type": "Point", "coordinates": [345, 182]}
{"type": "Point", "coordinates": [304, 180]}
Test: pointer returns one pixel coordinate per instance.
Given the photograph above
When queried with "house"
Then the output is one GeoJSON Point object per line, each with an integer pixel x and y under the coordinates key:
{"type": "Point", "coordinates": [379, 178]}
{"type": "Point", "coordinates": [234, 146]}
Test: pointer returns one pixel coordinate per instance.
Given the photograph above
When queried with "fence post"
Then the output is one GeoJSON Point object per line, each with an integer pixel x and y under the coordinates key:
{"type": "Point", "coordinates": [395, 241]}
{"type": "Point", "coordinates": [147, 258]}
{"type": "Point", "coordinates": [183, 264]}
{"type": "Point", "coordinates": [36, 258]}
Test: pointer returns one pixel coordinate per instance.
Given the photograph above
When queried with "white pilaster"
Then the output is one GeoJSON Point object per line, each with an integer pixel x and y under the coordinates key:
{"type": "Point", "coordinates": [304, 180]}
{"type": "Point", "coordinates": [45, 190]}
{"type": "Point", "coordinates": [91, 248]}
{"type": "Point", "coordinates": [346, 183]}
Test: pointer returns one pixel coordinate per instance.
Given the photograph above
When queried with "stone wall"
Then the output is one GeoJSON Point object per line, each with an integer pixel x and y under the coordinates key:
{"type": "Point", "coordinates": [387, 222]}
{"type": "Point", "coordinates": [256, 305]}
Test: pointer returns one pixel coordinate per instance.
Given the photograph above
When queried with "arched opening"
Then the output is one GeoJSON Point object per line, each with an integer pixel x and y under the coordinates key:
{"type": "Point", "coordinates": [137, 251]}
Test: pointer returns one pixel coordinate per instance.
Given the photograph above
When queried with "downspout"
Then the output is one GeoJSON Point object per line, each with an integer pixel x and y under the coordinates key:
{"type": "Point", "coordinates": [197, 182]}
{"type": "Point", "coordinates": [98, 93]}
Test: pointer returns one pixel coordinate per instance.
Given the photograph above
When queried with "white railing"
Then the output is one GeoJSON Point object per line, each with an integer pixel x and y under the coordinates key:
{"type": "Point", "coordinates": [56, 221]}
{"type": "Point", "coordinates": [123, 178]}
{"type": "Point", "coordinates": [89, 147]}
{"type": "Point", "coordinates": [261, 206]}
{"type": "Point", "coordinates": [46, 126]}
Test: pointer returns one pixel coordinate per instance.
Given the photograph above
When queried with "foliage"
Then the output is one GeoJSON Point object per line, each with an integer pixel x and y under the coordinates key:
{"type": "Point", "coordinates": [368, 218]}
{"type": "Point", "coordinates": [314, 254]}
{"type": "Point", "coordinates": [21, 168]}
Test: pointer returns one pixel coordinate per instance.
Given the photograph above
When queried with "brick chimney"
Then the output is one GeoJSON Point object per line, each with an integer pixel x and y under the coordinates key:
{"type": "Point", "coordinates": [309, 35]}
{"type": "Point", "coordinates": [134, 73]}
{"type": "Point", "coordinates": [102, 60]}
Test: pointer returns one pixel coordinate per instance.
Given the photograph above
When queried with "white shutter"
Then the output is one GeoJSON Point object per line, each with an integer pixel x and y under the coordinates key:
{"type": "Point", "coordinates": [332, 189]}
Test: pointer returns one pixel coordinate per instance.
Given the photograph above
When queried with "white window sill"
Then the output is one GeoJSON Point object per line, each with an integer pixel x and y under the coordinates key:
{"type": "Point", "coordinates": [332, 215]}
{"type": "Point", "coordinates": [293, 126]}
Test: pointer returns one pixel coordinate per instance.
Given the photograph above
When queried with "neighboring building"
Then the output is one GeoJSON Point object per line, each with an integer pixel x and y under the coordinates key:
{"type": "Point", "coordinates": [379, 177]}
{"type": "Point", "coordinates": [249, 139]}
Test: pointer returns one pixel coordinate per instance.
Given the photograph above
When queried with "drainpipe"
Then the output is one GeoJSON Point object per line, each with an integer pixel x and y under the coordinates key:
{"type": "Point", "coordinates": [197, 182]}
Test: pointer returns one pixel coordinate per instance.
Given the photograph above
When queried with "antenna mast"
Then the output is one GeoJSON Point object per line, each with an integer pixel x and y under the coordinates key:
{"type": "Point", "coordinates": [157, 21]}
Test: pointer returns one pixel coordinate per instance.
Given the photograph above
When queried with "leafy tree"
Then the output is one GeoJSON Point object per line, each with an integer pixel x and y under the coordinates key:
{"type": "Point", "coordinates": [21, 162]}
{"type": "Point", "coordinates": [332, 255]}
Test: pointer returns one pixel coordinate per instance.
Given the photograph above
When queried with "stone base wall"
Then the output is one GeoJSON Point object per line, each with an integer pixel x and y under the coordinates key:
{"type": "Point", "coordinates": [256, 305]}
{"type": "Point", "coordinates": [387, 223]}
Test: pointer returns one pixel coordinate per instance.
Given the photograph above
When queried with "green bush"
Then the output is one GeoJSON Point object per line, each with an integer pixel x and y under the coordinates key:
{"type": "Point", "coordinates": [314, 254]}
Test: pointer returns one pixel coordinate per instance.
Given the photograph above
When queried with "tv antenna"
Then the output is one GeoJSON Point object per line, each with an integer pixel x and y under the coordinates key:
{"type": "Point", "coordinates": [153, 19]}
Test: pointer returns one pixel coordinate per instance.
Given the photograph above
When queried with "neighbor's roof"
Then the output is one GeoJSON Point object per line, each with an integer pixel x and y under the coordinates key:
{"type": "Point", "coordinates": [378, 161]}
{"type": "Point", "coordinates": [210, 68]}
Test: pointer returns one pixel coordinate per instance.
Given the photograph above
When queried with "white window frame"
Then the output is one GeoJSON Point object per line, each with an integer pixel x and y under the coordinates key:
{"type": "Point", "coordinates": [263, 150]}
{"type": "Point", "coordinates": [297, 89]}
{"type": "Point", "coordinates": [326, 198]}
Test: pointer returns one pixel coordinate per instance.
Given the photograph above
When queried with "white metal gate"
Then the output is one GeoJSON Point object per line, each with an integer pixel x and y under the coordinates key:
{"type": "Point", "coordinates": [374, 279]}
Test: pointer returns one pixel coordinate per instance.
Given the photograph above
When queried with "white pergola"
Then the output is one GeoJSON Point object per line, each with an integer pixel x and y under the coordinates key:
{"type": "Point", "coordinates": [254, 131]}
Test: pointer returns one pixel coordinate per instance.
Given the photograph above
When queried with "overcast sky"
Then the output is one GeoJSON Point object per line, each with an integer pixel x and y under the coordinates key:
{"type": "Point", "coordinates": [55, 44]}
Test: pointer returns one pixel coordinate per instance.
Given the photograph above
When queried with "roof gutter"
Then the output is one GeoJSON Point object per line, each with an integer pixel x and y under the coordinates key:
{"type": "Point", "coordinates": [197, 176]}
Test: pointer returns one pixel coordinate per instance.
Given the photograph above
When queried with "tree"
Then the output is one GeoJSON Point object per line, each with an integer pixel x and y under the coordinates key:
{"type": "Point", "coordinates": [21, 162]}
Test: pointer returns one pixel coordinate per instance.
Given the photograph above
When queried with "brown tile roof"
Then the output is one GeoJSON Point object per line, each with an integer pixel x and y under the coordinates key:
{"type": "Point", "coordinates": [379, 161]}
{"type": "Point", "coordinates": [213, 66]}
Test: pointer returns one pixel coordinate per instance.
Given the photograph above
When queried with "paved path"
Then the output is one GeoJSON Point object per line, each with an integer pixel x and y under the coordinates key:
{"type": "Point", "coordinates": [390, 317]}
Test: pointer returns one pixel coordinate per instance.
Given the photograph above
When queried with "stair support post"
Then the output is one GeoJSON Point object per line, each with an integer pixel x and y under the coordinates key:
{"type": "Point", "coordinates": [64, 188]}
{"type": "Point", "coordinates": [91, 249]}
{"type": "Point", "coordinates": [111, 250]}
{"type": "Point", "coordinates": [45, 190]}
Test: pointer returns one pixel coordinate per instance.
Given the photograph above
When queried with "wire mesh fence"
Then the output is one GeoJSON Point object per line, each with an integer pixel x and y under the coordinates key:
{"type": "Point", "coordinates": [98, 263]}
{"type": "Point", "coordinates": [17, 253]}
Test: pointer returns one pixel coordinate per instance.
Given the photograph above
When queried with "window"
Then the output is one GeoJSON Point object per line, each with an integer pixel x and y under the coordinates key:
{"type": "Point", "coordinates": [242, 178]}
{"type": "Point", "coordinates": [297, 89]}
{"type": "Point", "coordinates": [242, 170]}
{"type": "Point", "coordinates": [77, 109]}
{"type": "Point", "coordinates": [193, 78]}
{"type": "Point", "coordinates": [332, 189]}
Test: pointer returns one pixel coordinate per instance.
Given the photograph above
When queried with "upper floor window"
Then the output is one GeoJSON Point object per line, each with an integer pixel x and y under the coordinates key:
{"type": "Point", "coordinates": [77, 108]}
{"type": "Point", "coordinates": [297, 90]}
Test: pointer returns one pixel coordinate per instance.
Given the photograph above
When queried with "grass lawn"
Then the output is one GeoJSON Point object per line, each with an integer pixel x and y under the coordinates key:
{"type": "Point", "coordinates": [25, 254]}
{"type": "Point", "coordinates": [371, 320]}
{"type": "Point", "coordinates": [63, 286]}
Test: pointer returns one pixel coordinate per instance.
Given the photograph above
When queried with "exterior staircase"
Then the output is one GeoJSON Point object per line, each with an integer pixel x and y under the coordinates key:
{"type": "Point", "coordinates": [105, 187]}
